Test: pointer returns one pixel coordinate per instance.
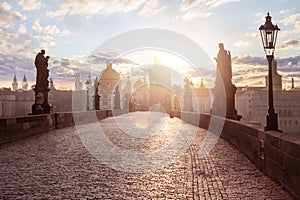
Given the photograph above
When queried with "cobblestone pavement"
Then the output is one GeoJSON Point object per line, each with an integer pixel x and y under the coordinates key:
{"type": "Point", "coordinates": [57, 164]}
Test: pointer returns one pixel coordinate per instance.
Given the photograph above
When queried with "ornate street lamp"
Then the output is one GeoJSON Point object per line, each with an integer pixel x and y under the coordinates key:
{"type": "Point", "coordinates": [268, 33]}
{"type": "Point", "coordinates": [88, 85]}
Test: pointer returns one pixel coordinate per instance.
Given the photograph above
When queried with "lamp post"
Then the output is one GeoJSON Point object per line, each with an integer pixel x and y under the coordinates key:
{"type": "Point", "coordinates": [88, 85]}
{"type": "Point", "coordinates": [268, 33]}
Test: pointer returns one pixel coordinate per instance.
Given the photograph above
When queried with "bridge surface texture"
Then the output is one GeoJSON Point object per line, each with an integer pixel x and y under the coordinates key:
{"type": "Point", "coordinates": [134, 156]}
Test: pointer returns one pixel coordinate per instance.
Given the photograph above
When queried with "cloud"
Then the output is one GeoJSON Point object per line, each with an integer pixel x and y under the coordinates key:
{"type": "Point", "coordinates": [47, 39]}
{"type": "Point", "coordinates": [151, 7]}
{"type": "Point", "coordinates": [4, 6]}
{"type": "Point", "coordinates": [297, 25]}
{"type": "Point", "coordinates": [63, 32]}
{"type": "Point", "coordinates": [216, 3]}
{"type": "Point", "coordinates": [190, 4]}
{"type": "Point", "coordinates": [7, 16]}
{"type": "Point", "coordinates": [22, 29]}
{"type": "Point", "coordinates": [16, 41]}
{"type": "Point", "coordinates": [11, 64]}
{"type": "Point", "coordinates": [288, 44]}
{"type": "Point", "coordinates": [284, 64]}
{"type": "Point", "coordinates": [36, 26]}
{"type": "Point", "coordinates": [194, 14]}
{"type": "Point", "coordinates": [251, 71]}
{"type": "Point", "coordinates": [64, 67]}
{"type": "Point", "coordinates": [194, 9]}
{"type": "Point", "coordinates": [16, 37]}
{"type": "Point", "coordinates": [254, 35]}
{"type": "Point", "coordinates": [241, 43]}
{"type": "Point", "coordinates": [44, 41]}
{"type": "Point", "coordinates": [101, 57]}
{"type": "Point", "coordinates": [10, 36]}
{"type": "Point", "coordinates": [295, 60]}
{"type": "Point", "coordinates": [250, 60]}
{"type": "Point", "coordinates": [291, 19]}
{"type": "Point", "coordinates": [30, 4]}
{"type": "Point", "coordinates": [53, 30]}
{"type": "Point", "coordinates": [284, 11]}
{"type": "Point", "coordinates": [60, 68]}
{"type": "Point", "coordinates": [91, 7]}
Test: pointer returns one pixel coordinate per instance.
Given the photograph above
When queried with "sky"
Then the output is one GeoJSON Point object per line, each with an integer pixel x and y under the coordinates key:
{"type": "Point", "coordinates": [71, 31]}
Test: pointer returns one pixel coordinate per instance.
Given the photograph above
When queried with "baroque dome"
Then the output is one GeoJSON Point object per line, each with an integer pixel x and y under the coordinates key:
{"type": "Point", "coordinates": [109, 73]}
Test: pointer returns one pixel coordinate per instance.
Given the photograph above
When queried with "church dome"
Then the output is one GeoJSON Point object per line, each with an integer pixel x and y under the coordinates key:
{"type": "Point", "coordinates": [109, 73]}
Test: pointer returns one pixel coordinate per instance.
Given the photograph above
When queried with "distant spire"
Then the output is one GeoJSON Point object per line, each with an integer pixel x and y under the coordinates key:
{"type": "Point", "coordinates": [52, 85]}
{"type": "Point", "coordinates": [109, 65]}
{"type": "Point", "coordinates": [293, 86]}
{"type": "Point", "coordinates": [24, 78]}
{"type": "Point", "coordinates": [89, 78]}
{"type": "Point", "coordinates": [15, 83]}
{"type": "Point", "coordinates": [15, 78]}
{"type": "Point", "coordinates": [24, 83]}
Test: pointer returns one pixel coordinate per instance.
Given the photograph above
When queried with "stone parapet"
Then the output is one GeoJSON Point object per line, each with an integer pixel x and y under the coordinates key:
{"type": "Point", "coordinates": [274, 153]}
{"type": "Point", "coordinates": [12, 129]}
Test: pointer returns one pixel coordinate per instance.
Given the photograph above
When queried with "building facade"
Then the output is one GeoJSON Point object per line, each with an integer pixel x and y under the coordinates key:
{"type": "Point", "coordinates": [202, 101]}
{"type": "Point", "coordinates": [252, 104]}
{"type": "Point", "coordinates": [15, 103]}
{"type": "Point", "coordinates": [107, 83]}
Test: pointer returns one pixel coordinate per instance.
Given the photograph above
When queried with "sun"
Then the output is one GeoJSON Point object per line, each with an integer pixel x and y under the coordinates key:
{"type": "Point", "coordinates": [179, 67]}
{"type": "Point", "coordinates": [172, 60]}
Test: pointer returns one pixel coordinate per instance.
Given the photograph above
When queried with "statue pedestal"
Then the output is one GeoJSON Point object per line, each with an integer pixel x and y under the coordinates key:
{"type": "Point", "coordinates": [41, 105]}
{"type": "Point", "coordinates": [224, 91]}
{"type": "Point", "coordinates": [231, 112]}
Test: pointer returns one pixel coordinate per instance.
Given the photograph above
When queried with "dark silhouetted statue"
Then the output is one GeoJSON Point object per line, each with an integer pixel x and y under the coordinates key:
{"type": "Point", "coordinates": [188, 103]}
{"type": "Point", "coordinates": [41, 89]}
{"type": "Point", "coordinates": [224, 90]}
{"type": "Point", "coordinates": [96, 96]}
{"type": "Point", "coordinates": [117, 98]}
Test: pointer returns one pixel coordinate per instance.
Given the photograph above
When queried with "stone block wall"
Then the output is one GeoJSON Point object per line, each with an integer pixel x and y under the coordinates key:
{"type": "Point", "coordinates": [20, 127]}
{"type": "Point", "coordinates": [282, 160]}
{"type": "Point", "coordinates": [15, 128]}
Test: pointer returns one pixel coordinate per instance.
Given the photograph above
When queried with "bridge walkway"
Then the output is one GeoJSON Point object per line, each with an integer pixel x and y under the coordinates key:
{"type": "Point", "coordinates": [138, 155]}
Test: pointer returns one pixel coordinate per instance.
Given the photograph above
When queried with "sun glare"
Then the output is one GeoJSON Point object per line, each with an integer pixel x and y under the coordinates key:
{"type": "Point", "coordinates": [148, 58]}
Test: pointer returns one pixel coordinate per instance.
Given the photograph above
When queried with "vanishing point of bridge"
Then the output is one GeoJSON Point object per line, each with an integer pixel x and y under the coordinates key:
{"type": "Point", "coordinates": [59, 165]}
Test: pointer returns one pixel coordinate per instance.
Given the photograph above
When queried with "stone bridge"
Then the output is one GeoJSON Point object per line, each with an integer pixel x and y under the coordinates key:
{"type": "Point", "coordinates": [142, 155]}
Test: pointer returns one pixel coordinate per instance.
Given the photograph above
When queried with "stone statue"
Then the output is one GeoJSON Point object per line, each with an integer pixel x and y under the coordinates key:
{"type": "Point", "coordinates": [117, 98]}
{"type": "Point", "coordinates": [46, 73]}
{"type": "Point", "coordinates": [41, 64]}
{"type": "Point", "coordinates": [188, 104]}
{"type": "Point", "coordinates": [224, 90]}
{"type": "Point", "coordinates": [224, 63]}
{"type": "Point", "coordinates": [41, 105]}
